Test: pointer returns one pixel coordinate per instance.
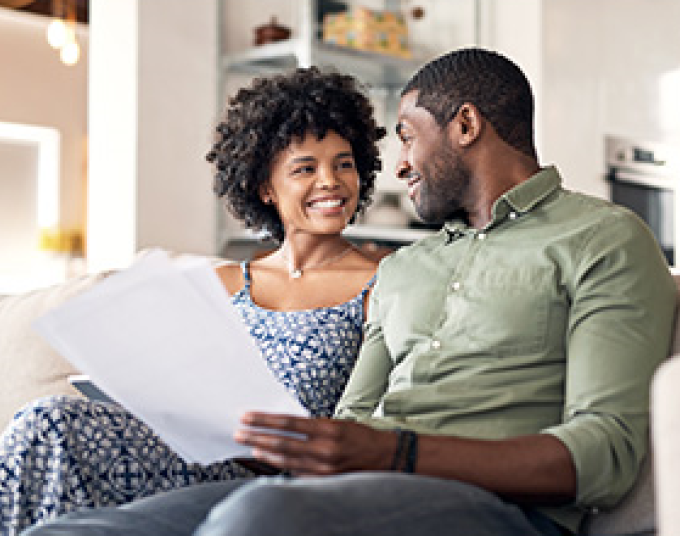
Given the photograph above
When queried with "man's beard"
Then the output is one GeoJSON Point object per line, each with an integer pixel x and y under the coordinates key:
{"type": "Point", "coordinates": [444, 185]}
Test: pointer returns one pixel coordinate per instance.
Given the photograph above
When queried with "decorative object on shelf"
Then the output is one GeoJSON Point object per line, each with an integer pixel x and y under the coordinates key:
{"type": "Point", "coordinates": [60, 240]}
{"type": "Point", "coordinates": [417, 12]}
{"type": "Point", "coordinates": [370, 30]}
{"type": "Point", "coordinates": [271, 32]}
{"type": "Point", "coordinates": [61, 32]}
{"type": "Point", "coordinates": [326, 7]}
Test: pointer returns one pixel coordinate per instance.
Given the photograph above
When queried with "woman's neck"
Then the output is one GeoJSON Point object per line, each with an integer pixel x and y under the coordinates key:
{"type": "Point", "coordinates": [298, 255]}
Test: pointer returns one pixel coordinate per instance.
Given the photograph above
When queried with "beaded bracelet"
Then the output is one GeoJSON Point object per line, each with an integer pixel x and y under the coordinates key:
{"type": "Point", "coordinates": [406, 453]}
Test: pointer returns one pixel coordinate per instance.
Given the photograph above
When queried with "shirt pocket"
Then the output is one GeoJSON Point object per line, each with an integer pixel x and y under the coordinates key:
{"type": "Point", "coordinates": [508, 309]}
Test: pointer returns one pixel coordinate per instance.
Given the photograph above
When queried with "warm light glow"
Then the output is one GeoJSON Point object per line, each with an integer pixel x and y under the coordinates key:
{"type": "Point", "coordinates": [56, 33]}
{"type": "Point", "coordinates": [70, 52]}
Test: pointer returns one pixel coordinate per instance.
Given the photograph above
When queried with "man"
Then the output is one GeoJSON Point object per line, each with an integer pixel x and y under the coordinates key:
{"type": "Point", "coordinates": [502, 387]}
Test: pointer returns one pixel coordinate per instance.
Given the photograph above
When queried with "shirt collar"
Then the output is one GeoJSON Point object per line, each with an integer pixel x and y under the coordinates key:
{"type": "Point", "coordinates": [520, 199]}
{"type": "Point", "coordinates": [528, 194]}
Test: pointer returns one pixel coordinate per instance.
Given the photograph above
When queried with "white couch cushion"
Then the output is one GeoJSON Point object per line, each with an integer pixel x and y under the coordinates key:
{"type": "Point", "coordinates": [29, 368]}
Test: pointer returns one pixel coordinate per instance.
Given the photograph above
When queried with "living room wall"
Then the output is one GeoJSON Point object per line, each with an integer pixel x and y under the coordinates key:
{"type": "Point", "coordinates": [37, 89]}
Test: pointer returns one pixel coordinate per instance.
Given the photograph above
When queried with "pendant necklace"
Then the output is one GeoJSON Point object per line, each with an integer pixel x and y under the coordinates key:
{"type": "Point", "coordinates": [296, 273]}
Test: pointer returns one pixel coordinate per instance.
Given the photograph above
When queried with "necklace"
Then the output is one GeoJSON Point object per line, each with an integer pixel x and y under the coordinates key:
{"type": "Point", "coordinates": [296, 273]}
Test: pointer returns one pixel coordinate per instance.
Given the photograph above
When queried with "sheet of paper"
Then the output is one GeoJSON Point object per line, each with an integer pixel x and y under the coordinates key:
{"type": "Point", "coordinates": [165, 341]}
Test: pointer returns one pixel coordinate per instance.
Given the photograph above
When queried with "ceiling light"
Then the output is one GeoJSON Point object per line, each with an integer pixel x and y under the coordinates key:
{"type": "Point", "coordinates": [56, 33]}
{"type": "Point", "coordinates": [70, 52]}
{"type": "Point", "coordinates": [61, 32]}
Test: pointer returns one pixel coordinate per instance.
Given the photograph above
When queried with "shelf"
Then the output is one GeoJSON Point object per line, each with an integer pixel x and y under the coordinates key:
{"type": "Point", "coordinates": [378, 233]}
{"type": "Point", "coordinates": [376, 69]}
{"type": "Point", "coordinates": [386, 234]}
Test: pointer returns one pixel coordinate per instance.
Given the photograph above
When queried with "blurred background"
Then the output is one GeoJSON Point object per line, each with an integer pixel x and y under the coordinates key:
{"type": "Point", "coordinates": [107, 109]}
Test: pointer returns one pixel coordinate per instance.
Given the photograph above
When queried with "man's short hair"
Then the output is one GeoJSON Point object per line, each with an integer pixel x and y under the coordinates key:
{"type": "Point", "coordinates": [490, 81]}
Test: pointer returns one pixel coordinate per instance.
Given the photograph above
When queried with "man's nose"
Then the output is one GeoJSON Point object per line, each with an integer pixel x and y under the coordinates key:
{"type": "Point", "coordinates": [403, 169]}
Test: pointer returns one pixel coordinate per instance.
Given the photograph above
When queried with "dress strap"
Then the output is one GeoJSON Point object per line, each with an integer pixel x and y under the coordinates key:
{"type": "Point", "coordinates": [245, 267]}
{"type": "Point", "coordinates": [368, 285]}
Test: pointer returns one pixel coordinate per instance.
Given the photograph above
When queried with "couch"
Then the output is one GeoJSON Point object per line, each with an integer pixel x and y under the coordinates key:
{"type": "Point", "coordinates": [29, 368]}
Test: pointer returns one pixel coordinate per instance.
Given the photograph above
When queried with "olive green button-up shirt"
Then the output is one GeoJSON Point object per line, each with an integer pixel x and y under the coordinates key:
{"type": "Point", "coordinates": [551, 319]}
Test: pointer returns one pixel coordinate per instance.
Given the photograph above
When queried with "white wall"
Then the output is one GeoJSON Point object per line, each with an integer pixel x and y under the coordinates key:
{"type": "Point", "coordinates": [153, 94]}
{"type": "Point", "coordinates": [598, 67]}
{"type": "Point", "coordinates": [605, 63]}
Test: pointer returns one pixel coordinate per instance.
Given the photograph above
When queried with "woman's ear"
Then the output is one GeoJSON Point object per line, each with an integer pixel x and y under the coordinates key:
{"type": "Point", "coordinates": [265, 194]}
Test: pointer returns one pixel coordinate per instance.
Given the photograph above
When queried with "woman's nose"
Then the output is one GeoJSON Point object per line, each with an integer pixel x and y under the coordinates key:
{"type": "Point", "coordinates": [326, 177]}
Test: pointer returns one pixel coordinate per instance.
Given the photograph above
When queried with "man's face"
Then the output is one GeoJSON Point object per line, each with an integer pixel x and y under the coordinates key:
{"type": "Point", "coordinates": [437, 178]}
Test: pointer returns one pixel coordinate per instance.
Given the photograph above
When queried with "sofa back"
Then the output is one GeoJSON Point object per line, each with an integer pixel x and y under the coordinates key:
{"type": "Point", "coordinates": [29, 367]}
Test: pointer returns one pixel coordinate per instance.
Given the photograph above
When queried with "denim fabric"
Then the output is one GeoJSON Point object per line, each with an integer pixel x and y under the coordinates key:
{"type": "Point", "coordinates": [370, 504]}
{"type": "Point", "coordinates": [360, 504]}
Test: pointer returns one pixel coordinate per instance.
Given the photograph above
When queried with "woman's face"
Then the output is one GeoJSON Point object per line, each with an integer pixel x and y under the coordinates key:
{"type": "Point", "coordinates": [314, 185]}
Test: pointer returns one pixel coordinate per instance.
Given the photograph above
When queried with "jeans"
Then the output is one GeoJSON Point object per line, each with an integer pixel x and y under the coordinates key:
{"type": "Point", "coordinates": [359, 504]}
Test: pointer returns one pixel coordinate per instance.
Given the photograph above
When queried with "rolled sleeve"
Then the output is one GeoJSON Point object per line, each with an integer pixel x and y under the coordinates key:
{"type": "Point", "coordinates": [623, 301]}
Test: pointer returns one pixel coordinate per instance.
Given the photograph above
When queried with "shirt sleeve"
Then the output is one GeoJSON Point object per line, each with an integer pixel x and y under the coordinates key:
{"type": "Point", "coordinates": [620, 324]}
{"type": "Point", "coordinates": [369, 379]}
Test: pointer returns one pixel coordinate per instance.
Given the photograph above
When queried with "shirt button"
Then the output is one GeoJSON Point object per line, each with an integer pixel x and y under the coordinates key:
{"type": "Point", "coordinates": [455, 285]}
{"type": "Point", "coordinates": [512, 215]}
{"type": "Point", "coordinates": [481, 236]}
{"type": "Point", "coordinates": [435, 344]}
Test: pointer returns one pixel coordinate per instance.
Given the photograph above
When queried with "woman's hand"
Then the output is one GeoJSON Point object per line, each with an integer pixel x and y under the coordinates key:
{"type": "Point", "coordinates": [318, 446]}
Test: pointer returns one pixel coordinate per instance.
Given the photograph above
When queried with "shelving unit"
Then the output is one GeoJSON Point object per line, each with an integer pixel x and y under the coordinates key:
{"type": "Point", "coordinates": [380, 70]}
{"type": "Point", "coordinates": [385, 75]}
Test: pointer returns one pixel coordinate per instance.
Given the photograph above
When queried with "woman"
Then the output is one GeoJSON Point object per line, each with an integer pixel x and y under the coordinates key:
{"type": "Point", "coordinates": [295, 157]}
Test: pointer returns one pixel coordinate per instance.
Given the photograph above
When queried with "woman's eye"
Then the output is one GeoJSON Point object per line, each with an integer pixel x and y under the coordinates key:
{"type": "Point", "coordinates": [346, 164]}
{"type": "Point", "coordinates": [303, 170]}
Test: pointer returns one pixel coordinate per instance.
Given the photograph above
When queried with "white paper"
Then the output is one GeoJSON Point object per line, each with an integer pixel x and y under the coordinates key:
{"type": "Point", "coordinates": [165, 341]}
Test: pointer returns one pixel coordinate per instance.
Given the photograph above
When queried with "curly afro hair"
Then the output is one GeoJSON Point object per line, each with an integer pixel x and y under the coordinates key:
{"type": "Point", "coordinates": [266, 117]}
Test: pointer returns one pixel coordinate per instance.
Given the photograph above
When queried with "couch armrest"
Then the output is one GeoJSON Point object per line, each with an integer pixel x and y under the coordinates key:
{"type": "Point", "coordinates": [666, 444]}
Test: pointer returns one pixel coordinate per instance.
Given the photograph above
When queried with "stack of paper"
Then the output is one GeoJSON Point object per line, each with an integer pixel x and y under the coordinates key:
{"type": "Point", "coordinates": [165, 341]}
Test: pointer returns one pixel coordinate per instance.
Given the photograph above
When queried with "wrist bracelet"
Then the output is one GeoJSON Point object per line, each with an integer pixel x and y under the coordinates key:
{"type": "Point", "coordinates": [406, 453]}
{"type": "Point", "coordinates": [399, 451]}
{"type": "Point", "coordinates": [411, 453]}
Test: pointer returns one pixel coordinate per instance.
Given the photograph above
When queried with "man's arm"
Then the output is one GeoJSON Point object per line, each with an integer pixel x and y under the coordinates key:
{"type": "Point", "coordinates": [533, 469]}
{"type": "Point", "coordinates": [620, 323]}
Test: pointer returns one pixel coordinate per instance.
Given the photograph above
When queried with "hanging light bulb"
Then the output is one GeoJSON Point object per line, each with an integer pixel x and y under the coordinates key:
{"type": "Point", "coordinates": [56, 33]}
{"type": "Point", "coordinates": [70, 52]}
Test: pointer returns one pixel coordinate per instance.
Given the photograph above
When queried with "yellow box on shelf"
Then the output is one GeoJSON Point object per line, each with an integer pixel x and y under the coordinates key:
{"type": "Point", "coordinates": [370, 30]}
{"type": "Point", "coordinates": [59, 240]}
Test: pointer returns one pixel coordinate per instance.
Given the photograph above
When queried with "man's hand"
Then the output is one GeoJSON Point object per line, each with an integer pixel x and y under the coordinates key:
{"type": "Point", "coordinates": [316, 446]}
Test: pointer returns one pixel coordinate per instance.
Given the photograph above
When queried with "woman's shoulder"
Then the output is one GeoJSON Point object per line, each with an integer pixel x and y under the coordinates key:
{"type": "Point", "coordinates": [231, 275]}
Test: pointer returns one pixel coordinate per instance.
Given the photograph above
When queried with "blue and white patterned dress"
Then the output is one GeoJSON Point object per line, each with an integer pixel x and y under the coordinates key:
{"type": "Point", "coordinates": [63, 453]}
